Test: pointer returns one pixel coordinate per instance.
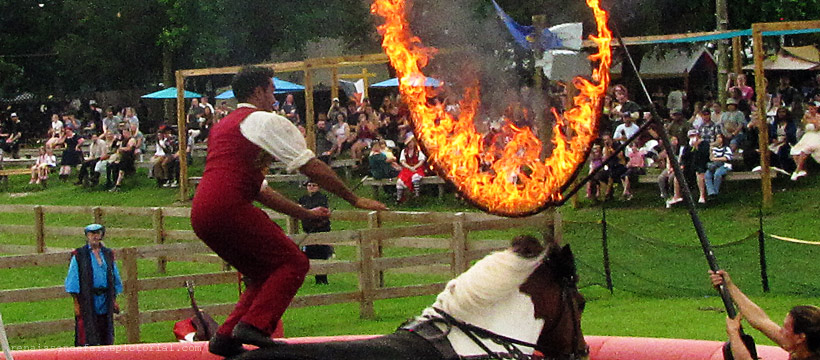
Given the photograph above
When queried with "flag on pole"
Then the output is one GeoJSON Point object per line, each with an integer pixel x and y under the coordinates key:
{"type": "Point", "coordinates": [563, 36]}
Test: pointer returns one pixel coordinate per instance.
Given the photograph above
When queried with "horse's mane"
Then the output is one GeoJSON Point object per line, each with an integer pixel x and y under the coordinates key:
{"type": "Point", "coordinates": [494, 277]}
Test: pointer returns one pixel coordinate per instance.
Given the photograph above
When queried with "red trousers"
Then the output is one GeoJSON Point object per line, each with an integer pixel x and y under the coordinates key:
{"type": "Point", "coordinates": [273, 265]}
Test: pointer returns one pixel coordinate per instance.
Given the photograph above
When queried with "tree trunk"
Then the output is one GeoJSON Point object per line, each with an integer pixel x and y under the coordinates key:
{"type": "Point", "coordinates": [167, 79]}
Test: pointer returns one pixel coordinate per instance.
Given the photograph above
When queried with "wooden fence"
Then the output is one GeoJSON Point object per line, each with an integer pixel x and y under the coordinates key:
{"type": "Point", "coordinates": [369, 264]}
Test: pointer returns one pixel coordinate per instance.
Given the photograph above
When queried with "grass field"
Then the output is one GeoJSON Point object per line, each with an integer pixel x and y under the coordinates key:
{"type": "Point", "coordinates": [633, 224]}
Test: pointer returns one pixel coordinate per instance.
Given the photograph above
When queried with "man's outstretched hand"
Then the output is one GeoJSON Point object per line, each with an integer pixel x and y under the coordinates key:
{"type": "Point", "coordinates": [369, 204]}
{"type": "Point", "coordinates": [319, 213]}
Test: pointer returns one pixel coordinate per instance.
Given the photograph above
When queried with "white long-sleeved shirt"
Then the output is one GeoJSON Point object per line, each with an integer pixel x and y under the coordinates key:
{"type": "Point", "coordinates": [278, 136]}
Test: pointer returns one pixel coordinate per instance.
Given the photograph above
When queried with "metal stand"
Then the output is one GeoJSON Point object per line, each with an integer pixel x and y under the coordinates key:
{"type": "Point", "coordinates": [4, 340]}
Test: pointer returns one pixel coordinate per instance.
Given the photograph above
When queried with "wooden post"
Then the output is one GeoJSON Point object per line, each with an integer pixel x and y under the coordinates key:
{"type": "Point", "coordinates": [557, 226]}
{"type": "Point", "coordinates": [310, 121]}
{"type": "Point", "coordinates": [374, 221]}
{"type": "Point", "coordinates": [40, 228]}
{"type": "Point", "coordinates": [459, 246]}
{"type": "Point", "coordinates": [182, 132]}
{"type": "Point", "coordinates": [291, 225]}
{"type": "Point", "coordinates": [722, 24]}
{"type": "Point", "coordinates": [159, 236]}
{"type": "Point", "coordinates": [546, 221]}
{"type": "Point", "coordinates": [737, 55]}
{"type": "Point", "coordinates": [98, 215]}
{"type": "Point", "coordinates": [760, 114]}
{"type": "Point", "coordinates": [365, 76]}
{"type": "Point", "coordinates": [334, 85]}
{"type": "Point", "coordinates": [131, 290]}
{"type": "Point", "coordinates": [544, 131]}
{"type": "Point", "coordinates": [539, 23]}
{"type": "Point", "coordinates": [366, 284]}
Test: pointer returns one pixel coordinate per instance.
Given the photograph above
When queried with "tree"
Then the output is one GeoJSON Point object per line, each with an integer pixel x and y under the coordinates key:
{"type": "Point", "coordinates": [110, 46]}
{"type": "Point", "coordinates": [27, 61]}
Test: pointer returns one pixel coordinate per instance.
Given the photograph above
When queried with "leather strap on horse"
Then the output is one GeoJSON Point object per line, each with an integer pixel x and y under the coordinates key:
{"type": "Point", "coordinates": [427, 330]}
{"type": "Point", "coordinates": [474, 332]}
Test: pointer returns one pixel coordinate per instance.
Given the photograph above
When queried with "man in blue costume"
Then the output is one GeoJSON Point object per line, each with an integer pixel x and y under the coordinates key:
{"type": "Point", "coordinates": [93, 281]}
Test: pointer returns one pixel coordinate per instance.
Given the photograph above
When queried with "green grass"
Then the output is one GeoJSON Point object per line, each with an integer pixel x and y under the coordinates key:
{"type": "Point", "coordinates": [653, 248]}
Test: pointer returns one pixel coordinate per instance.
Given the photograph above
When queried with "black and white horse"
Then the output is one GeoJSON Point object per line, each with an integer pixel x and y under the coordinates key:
{"type": "Point", "coordinates": [521, 303]}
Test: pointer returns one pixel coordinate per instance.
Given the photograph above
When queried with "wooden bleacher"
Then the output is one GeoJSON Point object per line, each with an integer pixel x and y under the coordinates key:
{"type": "Point", "coordinates": [652, 177]}
{"type": "Point", "coordinates": [5, 173]}
{"type": "Point", "coordinates": [193, 181]}
{"type": "Point", "coordinates": [378, 184]}
{"type": "Point", "coordinates": [346, 165]}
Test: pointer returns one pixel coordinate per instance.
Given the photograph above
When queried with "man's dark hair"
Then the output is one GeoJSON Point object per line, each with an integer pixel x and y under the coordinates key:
{"type": "Point", "coordinates": [248, 79]}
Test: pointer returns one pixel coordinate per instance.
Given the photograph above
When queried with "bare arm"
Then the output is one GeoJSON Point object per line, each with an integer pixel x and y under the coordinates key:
{"type": "Point", "coordinates": [76, 304]}
{"type": "Point", "coordinates": [739, 349]}
{"type": "Point", "coordinates": [129, 145]}
{"type": "Point", "coordinates": [323, 175]}
{"type": "Point", "coordinates": [751, 311]}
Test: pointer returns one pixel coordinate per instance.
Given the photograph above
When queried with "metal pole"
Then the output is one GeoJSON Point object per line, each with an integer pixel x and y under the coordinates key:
{"type": "Point", "coordinates": [687, 195]}
{"type": "Point", "coordinates": [4, 340]}
{"type": "Point", "coordinates": [761, 243]}
{"type": "Point", "coordinates": [605, 246]}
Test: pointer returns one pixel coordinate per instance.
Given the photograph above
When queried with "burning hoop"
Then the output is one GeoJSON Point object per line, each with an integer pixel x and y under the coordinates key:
{"type": "Point", "coordinates": [508, 181]}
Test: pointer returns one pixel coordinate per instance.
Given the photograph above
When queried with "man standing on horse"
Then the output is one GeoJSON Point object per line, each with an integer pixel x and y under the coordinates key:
{"type": "Point", "coordinates": [240, 149]}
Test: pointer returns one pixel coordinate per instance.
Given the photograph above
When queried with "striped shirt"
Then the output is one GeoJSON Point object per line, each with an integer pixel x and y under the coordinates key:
{"type": "Point", "coordinates": [723, 151]}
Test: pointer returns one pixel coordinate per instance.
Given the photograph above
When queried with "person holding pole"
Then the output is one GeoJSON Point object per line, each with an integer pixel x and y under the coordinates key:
{"type": "Point", "coordinates": [799, 334]}
{"type": "Point", "coordinates": [240, 148]}
{"type": "Point", "coordinates": [93, 281]}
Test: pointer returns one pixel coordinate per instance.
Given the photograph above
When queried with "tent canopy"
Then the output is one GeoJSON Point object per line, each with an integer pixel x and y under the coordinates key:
{"type": "Point", "coordinates": [784, 61]}
{"type": "Point", "coordinates": [674, 63]}
{"type": "Point", "coordinates": [282, 87]}
{"type": "Point", "coordinates": [808, 52]}
{"type": "Point", "coordinates": [394, 82]}
{"type": "Point", "coordinates": [170, 93]}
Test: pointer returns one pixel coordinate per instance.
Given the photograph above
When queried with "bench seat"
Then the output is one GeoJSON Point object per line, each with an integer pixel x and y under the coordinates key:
{"type": "Point", "coordinates": [378, 184]}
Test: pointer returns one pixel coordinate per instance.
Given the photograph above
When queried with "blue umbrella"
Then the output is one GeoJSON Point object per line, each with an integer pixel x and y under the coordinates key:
{"type": "Point", "coordinates": [282, 86]}
{"type": "Point", "coordinates": [394, 82]}
{"type": "Point", "coordinates": [286, 86]}
{"type": "Point", "coordinates": [170, 93]}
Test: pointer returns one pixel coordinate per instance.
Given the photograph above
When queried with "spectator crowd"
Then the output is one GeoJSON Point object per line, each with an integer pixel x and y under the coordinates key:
{"type": "Point", "coordinates": [710, 139]}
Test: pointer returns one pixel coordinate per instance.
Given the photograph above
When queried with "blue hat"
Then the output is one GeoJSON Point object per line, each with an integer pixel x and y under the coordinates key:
{"type": "Point", "coordinates": [94, 228]}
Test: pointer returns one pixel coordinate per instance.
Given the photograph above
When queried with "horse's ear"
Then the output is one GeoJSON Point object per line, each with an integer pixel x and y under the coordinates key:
{"type": "Point", "coordinates": [527, 246]}
{"type": "Point", "coordinates": [566, 252]}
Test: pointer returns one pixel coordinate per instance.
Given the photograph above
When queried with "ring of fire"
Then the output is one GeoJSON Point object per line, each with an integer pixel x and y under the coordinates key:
{"type": "Point", "coordinates": [519, 183]}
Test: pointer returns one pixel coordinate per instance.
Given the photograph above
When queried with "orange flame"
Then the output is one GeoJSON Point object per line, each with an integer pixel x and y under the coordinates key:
{"type": "Point", "coordinates": [513, 180]}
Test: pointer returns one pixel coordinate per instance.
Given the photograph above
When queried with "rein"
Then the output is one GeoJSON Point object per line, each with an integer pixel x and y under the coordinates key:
{"type": "Point", "coordinates": [511, 344]}
{"type": "Point", "coordinates": [474, 332]}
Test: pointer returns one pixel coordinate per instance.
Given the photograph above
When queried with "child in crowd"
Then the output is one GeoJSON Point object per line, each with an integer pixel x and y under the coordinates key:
{"type": "Point", "coordinates": [413, 163]}
{"type": "Point", "coordinates": [634, 168]}
{"type": "Point", "coordinates": [383, 164]}
{"type": "Point", "coordinates": [596, 159]}
{"type": "Point", "coordinates": [45, 161]}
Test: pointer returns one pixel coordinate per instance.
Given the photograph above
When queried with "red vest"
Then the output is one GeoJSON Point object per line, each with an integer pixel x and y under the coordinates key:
{"type": "Point", "coordinates": [232, 174]}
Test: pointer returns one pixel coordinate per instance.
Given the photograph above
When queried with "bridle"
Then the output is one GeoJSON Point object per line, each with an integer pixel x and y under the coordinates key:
{"type": "Point", "coordinates": [569, 301]}
{"type": "Point", "coordinates": [511, 345]}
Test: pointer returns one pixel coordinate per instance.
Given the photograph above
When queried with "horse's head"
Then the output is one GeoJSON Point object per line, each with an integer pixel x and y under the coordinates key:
{"type": "Point", "coordinates": [554, 292]}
